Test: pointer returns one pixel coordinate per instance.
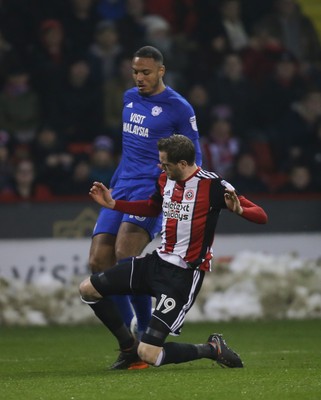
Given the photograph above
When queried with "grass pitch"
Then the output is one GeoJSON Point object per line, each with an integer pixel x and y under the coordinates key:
{"type": "Point", "coordinates": [282, 361]}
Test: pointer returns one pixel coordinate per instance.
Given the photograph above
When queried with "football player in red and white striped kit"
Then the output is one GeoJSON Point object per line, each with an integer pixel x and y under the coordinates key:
{"type": "Point", "coordinates": [190, 200]}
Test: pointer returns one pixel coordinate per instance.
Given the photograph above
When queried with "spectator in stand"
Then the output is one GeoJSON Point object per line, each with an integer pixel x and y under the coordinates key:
{"type": "Point", "coordinates": [295, 131]}
{"type": "Point", "coordinates": [220, 148]}
{"type": "Point", "coordinates": [48, 59]}
{"type": "Point", "coordinates": [113, 92]}
{"type": "Point", "coordinates": [102, 160]}
{"type": "Point", "coordinates": [105, 50]}
{"type": "Point", "coordinates": [53, 162]}
{"type": "Point", "coordinates": [281, 89]}
{"type": "Point", "coordinates": [295, 31]}
{"type": "Point", "coordinates": [20, 111]}
{"type": "Point", "coordinates": [158, 34]}
{"type": "Point", "coordinates": [222, 30]}
{"type": "Point", "coordinates": [79, 22]}
{"type": "Point", "coordinates": [199, 98]}
{"type": "Point", "coordinates": [76, 184]}
{"type": "Point", "coordinates": [300, 181]}
{"type": "Point", "coordinates": [76, 110]}
{"type": "Point", "coordinates": [131, 26]}
{"type": "Point", "coordinates": [211, 46]}
{"type": "Point", "coordinates": [232, 28]}
{"type": "Point", "coordinates": [163, 8]}
{"type": "Point", "coordinates": [260, 55]}
{"type": "Point", "coordinates": [246, 176]}
{"type": "Point", "coordinates": [24, 185]}
{"type": "Point", "coordinates": [182, 15]}
{"type": "Point", "coordinates": [231, 88]}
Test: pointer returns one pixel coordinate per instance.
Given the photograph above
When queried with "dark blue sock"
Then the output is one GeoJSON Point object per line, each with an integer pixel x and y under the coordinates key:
{"type": "Point", "coordinates": [142, 305]}
{"type": "Point", "coordinates": [125, 309]}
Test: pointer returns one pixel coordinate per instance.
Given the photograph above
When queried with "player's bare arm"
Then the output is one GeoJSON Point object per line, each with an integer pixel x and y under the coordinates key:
{"type": "Point", "coordinates": [102, 195]}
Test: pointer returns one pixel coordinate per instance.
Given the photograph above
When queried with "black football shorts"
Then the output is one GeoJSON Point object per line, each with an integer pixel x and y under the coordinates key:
{"type": "Point", "coordinates": [174, 288]}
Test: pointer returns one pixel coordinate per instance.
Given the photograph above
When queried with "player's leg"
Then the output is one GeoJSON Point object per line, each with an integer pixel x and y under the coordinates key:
{"type": "Point", "coordinates": [141, 231]}
{"type": "Point", "coordinates": [102, 253]}
{"type": "Point", "coordinates": [108, 313]}
{"type": "Point", "coordinates": [153, 349]}
{"type": "Point", "coordinates": [97, 291]}
{"type": "Point", "coordinates": [131, 241]}
{"type": "Point", "coordinates": [176, 290]}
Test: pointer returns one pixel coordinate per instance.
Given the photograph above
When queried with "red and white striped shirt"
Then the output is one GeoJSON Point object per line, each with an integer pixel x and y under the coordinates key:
{"type": "Point", "coordinates": [190, 213]}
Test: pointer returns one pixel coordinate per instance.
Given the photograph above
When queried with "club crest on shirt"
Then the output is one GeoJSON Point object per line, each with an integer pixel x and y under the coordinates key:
{"type": "Point", "coordinates": [189, 195]}
{"type": "Point", "coordinates": [156, 111]}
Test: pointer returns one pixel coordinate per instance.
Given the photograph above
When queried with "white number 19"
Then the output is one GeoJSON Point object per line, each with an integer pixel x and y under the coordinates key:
{"type": "Point", "coordinates": [167, 302]}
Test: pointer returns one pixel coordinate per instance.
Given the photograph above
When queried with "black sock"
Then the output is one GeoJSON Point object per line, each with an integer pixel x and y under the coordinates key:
{"type": "Point", "coordinates": [182, 352]}
{"type": "Point", "coordinates": [108, 313]}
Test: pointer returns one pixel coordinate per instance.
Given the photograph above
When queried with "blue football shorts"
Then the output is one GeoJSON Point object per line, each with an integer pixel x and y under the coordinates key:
{"type": "Point", "coordinates": [109, 220]}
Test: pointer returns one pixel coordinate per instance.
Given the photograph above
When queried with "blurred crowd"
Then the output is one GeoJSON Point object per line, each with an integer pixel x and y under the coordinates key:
{"type": "Point", "coordinates": [251, 70]}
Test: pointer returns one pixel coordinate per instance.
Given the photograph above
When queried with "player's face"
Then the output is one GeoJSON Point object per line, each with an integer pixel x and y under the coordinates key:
{"type": "Point", "coordinates": [148, 76]}
{"type": "Point", "coordinates": [173, 170]}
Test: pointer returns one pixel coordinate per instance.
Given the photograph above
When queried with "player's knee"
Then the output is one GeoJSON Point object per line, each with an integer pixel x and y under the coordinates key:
{"type": "Point", "coordinates": [87, 292]}
{"type": "Point", "coordinates": [148, 353]}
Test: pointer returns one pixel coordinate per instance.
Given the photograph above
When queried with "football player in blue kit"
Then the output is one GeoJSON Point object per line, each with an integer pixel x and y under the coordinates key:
{"type": "Point", "coordinates": [151, 111]}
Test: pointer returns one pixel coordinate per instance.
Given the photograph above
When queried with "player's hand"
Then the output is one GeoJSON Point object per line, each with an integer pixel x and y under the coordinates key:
{"type": "Point", "coordinates": [232, 201]}
{"type": "Point", "coordinates": [102, 195]}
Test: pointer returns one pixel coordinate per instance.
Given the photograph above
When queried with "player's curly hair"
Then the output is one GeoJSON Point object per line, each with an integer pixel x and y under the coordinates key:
{"type": "Point", "coordinates": [178, 148]}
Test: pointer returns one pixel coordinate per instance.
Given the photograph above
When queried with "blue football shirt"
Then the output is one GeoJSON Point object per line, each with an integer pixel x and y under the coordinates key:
{"type": "Point", "coordinates": [146, 119]}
